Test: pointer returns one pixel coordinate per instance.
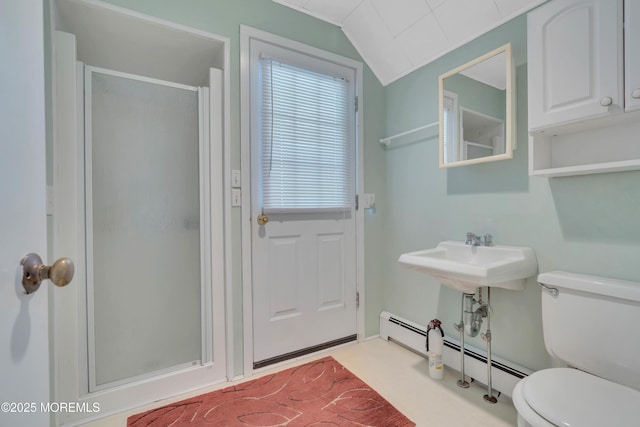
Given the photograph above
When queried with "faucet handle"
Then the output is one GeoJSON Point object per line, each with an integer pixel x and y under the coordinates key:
{"type": "Point", "coordinates": [473, 240]}
{"type": "Point", "coordinates": [470, 237]}
{"type": "Point", "coordinates": [487, 240]}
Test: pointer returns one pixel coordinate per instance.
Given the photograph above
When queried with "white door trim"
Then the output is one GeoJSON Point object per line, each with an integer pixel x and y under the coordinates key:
{"type": "Point", "coordinates": [246, 34]}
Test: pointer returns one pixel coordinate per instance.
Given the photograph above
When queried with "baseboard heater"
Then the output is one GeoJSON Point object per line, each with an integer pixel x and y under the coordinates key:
{"type": "Point", "coordinates": [505, 374]}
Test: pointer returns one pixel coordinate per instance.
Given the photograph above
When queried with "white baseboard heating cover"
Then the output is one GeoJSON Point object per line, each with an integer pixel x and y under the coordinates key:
{"type": "Point", "coordinates": [505, 374]}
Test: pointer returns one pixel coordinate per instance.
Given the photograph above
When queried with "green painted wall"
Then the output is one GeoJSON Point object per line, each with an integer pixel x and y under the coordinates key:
{"type": "Point", "coordinates": [587, 224]}
{"type": "Point", "coordinates": [223, 17]}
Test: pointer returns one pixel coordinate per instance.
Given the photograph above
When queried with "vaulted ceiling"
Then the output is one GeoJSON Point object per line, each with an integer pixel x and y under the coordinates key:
{"type": "Point", "coordinates": [395, 37]}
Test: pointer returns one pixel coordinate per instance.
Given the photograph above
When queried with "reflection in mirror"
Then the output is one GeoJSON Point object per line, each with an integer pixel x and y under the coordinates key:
{"type": "Point", "coordinates": [476, 110]}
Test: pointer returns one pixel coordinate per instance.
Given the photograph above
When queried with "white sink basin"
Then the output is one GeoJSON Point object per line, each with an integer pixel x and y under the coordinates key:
{"type": "Point", "coordinates": [466, 268]}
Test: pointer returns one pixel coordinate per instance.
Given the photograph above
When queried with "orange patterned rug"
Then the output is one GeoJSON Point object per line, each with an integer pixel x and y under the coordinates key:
{"type": "Point", "coordinates": [319, 393]}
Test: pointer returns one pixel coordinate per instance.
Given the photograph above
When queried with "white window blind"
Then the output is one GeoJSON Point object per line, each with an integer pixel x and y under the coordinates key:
{"type": "Point", "coordinates": [307, 139]}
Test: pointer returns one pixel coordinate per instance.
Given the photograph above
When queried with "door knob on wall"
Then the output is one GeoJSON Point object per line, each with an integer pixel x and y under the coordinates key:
{"type": "Point", "coordinates": [33, 272]}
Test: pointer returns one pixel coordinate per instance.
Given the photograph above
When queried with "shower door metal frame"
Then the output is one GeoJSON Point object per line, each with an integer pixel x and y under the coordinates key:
{"type": "Point", "coordinates": [205, 226]}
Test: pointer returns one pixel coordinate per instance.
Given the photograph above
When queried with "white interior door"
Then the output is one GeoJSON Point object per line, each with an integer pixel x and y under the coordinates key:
{"type": "Point", "coordinates": [24, 358]}
{"type": "Point", "coordinates": [304, 257]}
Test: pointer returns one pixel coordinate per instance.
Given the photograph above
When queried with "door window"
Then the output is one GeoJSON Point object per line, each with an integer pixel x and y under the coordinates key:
{"type": "Point", "coordinates": [307, 139]}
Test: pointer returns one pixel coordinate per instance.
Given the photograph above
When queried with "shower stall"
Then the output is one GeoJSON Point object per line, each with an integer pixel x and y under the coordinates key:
{"type": "Point", "coordinates": [145, 274]}
{"type": "Point", "coordinates": [138, 190]}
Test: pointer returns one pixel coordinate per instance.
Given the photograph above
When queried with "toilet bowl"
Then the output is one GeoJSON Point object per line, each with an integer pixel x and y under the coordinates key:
{"type": "Point", "coordinates": [570, 397]}
{"type": "Point", "coordinates": [588, 322]}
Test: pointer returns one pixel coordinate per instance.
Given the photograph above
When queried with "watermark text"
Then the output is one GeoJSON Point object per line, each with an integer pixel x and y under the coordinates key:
{"type": "Point", "coordinates": [50, 407]}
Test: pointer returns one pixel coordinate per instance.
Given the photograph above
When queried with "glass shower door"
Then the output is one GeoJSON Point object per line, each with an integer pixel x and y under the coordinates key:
{"type": "Point", "coordinates": [144, 227]}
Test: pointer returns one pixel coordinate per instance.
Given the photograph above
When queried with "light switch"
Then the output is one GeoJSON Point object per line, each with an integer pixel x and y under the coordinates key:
{"type": "Point", "coordinates": [236, 197]}
{"type": "Point", "coordinates": [235, 178]}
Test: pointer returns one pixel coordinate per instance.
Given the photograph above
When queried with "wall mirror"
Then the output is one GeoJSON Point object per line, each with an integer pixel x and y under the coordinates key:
{"type": "Point", "coordinates": [477, 110]}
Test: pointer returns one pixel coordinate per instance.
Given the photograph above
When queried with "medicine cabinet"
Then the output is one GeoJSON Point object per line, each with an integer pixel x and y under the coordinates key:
{"type": "Point", "coordinates": [477, 110]}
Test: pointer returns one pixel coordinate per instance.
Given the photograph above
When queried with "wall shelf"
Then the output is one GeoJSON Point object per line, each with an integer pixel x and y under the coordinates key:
{"type": "Point", "coordinates": [387, 141]}
{"type": "Point", "coordinates": [626, 165]}
{"type": "Point", "coordinates": [599, 146]}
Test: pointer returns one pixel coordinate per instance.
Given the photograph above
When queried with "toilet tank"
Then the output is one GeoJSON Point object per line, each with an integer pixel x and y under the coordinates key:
{"type": "Point", "coordinates": [593, 324]}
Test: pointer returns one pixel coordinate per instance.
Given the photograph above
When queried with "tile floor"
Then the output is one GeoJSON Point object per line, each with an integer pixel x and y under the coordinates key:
{"type": "Point", "coordinates": [401, 377]}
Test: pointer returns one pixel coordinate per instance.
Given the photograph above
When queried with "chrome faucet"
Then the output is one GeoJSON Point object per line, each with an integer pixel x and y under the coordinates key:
{"type": "Point", "coordinates": [473, 240]}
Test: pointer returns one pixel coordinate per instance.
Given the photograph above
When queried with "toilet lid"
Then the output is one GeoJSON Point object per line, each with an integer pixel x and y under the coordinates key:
{"type": "Point", "coordinates": [569, 397]}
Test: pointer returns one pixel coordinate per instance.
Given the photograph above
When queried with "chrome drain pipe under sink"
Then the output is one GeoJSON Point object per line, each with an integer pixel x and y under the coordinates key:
{"type": "Point", "coordinates": [470, 324]}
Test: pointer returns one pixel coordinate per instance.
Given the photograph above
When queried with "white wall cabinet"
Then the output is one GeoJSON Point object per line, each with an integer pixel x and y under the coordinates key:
{"type": "Point", "coordinates": [574, 60]}
{"type": "Point", "coordinates": [583, 73]}
{"type": "Point", "coordinates": [632, 55]}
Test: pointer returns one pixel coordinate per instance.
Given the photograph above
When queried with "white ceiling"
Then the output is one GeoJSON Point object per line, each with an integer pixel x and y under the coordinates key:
{"type": "Point", "coordinates": [395, 37]}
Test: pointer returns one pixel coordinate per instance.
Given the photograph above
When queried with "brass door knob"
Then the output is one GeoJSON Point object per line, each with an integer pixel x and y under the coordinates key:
{"type": "Point", "coordinates": [33, 272]}
{"type": "Point", "coordinates": [263, 219]}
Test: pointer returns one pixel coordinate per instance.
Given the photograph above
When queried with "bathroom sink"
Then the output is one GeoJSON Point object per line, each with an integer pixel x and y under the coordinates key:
{"type": "Point", "coordinates": [466, 267]}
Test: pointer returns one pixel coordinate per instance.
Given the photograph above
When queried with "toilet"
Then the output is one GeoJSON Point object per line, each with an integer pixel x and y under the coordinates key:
{"type": "Point", "coordinates": [592, 324]}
